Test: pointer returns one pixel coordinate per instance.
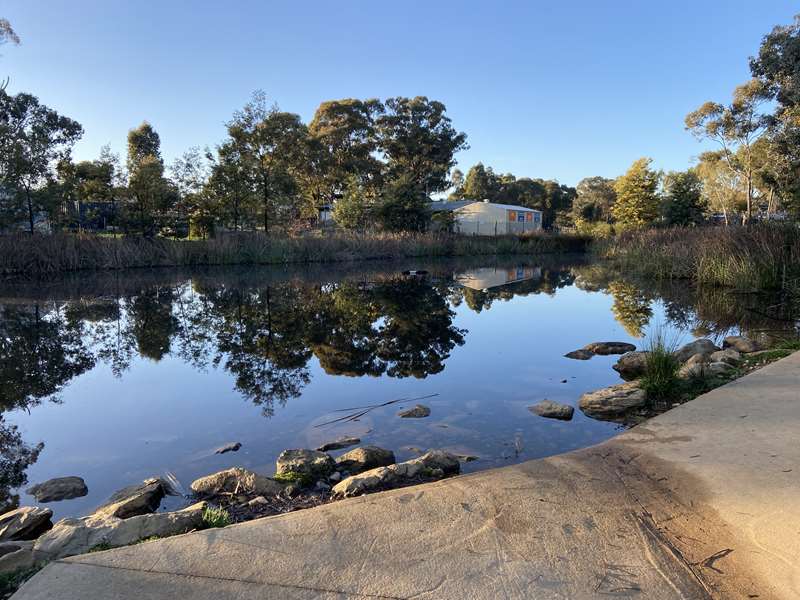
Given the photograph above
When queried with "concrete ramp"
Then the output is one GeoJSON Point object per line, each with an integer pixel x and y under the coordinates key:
{"type": "Point", "coordinates": [701, 502]}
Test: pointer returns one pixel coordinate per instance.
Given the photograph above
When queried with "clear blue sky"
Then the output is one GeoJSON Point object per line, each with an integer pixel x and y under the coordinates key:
{"type": "Point", "coordinates": [559, 90]}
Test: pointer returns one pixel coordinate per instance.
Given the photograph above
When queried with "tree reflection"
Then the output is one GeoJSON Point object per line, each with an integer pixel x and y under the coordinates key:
{"type": "Point", "coordinates": [631, 307]}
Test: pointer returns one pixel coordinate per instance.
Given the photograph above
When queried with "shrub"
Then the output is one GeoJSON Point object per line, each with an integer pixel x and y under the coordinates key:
{"type": "Point", "coordinates": [660, 380]}
{"type": "Point", "coordinates": [215, 517]}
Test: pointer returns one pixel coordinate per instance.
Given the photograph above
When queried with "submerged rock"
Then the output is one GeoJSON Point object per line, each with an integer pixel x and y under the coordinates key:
{"type": "Point", "coordinates": [435, 463]}
{"type": "Point", "coordinates": [60, 488]}
{"type": "Point", "coordinates": [740, 343]}
{"type": "Point", "coordinates": [365, 458]}
{"type": "Point", "coordinates": [552, 410]}
{"type": "Point", "coordinates": [612, 401]}
{"type": "Point", "coordinates": [69, 537]}
{"type": "Point", "coordinates": [24, 523]}
{"type": "Point", "coordinates": [305, 462]}
{"type": "Point", "coordinates": [342, 442]}
{"type": "Point", "coordinates": [417, 412]}
{"type": "Point", "coordinates": [232, 447]}
{"type": "Point", "coordinates": [605, 348]}
{"type": "Point", "coordinates": [580, 354]}
{"type": "Point", "coordinates": [134, 500]}
{"type": "Point", "coordinates": [235, 481]}
{"type": "Point", "coordinates": [718, 369]}
{"type": "Point", "coordinates": [631, 365]}
{"type": "Point", "coordinates": [701, 346]}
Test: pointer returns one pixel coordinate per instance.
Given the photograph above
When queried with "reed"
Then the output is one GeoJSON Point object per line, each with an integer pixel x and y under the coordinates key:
{"type": "Point", "coordinates": [760, 256]}
{"type": "Point", "coordinates": [660, 380]}
{"type": "Point", "coordinates": [42, 255]}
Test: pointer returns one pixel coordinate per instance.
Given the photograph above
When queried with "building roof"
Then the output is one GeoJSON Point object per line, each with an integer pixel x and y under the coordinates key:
{"type": "Point", "coordinates": [457, 204]}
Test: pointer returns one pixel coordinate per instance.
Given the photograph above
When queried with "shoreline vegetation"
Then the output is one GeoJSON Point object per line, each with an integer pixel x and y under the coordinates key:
{"type": "Point", "coordinates": [41, 256]}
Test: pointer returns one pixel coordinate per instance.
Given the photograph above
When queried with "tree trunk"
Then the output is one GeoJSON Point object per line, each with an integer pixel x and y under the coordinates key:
{"type": "Point", "coordinates": [30, 208]}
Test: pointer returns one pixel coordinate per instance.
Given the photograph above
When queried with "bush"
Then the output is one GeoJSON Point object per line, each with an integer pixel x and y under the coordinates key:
{"type": "Point", "coordinates": [215, 517]}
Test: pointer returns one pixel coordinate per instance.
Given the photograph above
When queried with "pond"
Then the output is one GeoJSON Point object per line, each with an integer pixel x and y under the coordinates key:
{"type": "Point", "coordinates": [130, 375]}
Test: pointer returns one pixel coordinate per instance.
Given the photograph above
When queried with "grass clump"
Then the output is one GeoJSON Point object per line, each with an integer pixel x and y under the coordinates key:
{"type": "Point", "coordinates": [302, 479]}
{"type": "Point", "coordinates": [660, 380]}
{"type": "Point", "coordinates": [215, 517]}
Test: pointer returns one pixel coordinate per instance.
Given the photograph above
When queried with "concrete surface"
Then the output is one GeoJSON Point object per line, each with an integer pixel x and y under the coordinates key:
{"type": "Point", "coordinates": [700, 502]}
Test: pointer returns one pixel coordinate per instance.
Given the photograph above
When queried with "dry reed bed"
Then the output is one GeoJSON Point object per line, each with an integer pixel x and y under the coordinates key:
{"type": "Point", "coordinates": [42, 255]}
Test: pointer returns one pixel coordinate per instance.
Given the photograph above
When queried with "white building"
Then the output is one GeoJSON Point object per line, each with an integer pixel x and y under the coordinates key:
{"type": "Point", "coordinates": [473, 217]}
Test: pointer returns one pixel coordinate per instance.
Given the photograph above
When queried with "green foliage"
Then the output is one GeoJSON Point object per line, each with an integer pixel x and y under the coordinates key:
{"type": "Point", "coordinates": [481, 183]}
{"type": "Point", "coordinates": [660, 380]}
{"type": "Point", "coordinates": [419, 142]}
{"type": "Point", "coordinates": [215, 517]}
{"type": "Point", "coordinates": [352, 210]}
{"type": "Point", "coordinates": [402, 206]}
{"type": "Point", "coordinates": [637, 195]}
{"type": "Point", "coordinates": [593, 200]}
{"type": "Point", "coordinates": [302, 479]}
{"type": "Point", "coordinates": [682, 204]}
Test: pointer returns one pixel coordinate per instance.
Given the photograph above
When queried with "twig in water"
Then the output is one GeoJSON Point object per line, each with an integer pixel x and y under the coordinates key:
{"type": "Point", "coordinates": [362, 410]}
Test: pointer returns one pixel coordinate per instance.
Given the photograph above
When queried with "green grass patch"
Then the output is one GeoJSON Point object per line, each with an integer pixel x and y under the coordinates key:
{"type": "Point", "coordinates": [303, 479]}
{"type": "Point", "coordinates": [215, 517]}
{"type": "Point", "coordinates": [660, 380]}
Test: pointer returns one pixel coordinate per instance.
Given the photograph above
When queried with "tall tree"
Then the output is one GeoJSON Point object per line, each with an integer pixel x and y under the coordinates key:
{"type": "Point", "coordinates": [271, 143]}
{"type": "Point", "coordinates": [149, 189]}
{"type": "Point", "coordinates": [637, 195]}
{"type": "Point", "coordinates": [682, 204]}
{"type": "Point", "coordinates": [481, 183]}
{"type": "Point", "coordinates": [33, 139]}
{"type": "Point", "coordinates": [722, 190]}
{"type": "Point", "coordinates": [594, 197]}
{"type": "Point", "coordinates": [190, 173]}
{"type": "Point", "coordinates": [735, 127]}
{"type": "Point", "coordinates": [231, 187]}
{"type": "Point", "coordinates": [419, 142]}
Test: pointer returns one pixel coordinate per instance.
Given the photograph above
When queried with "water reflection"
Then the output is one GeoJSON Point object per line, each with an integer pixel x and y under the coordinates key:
{"type": "Point", "coordinates": [266, 328]}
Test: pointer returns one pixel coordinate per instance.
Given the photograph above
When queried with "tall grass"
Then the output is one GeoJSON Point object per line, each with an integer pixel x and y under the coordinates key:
{"type": "Point", "coordinates": [660, 380]}
{"type": "Point", "coordinates": [760, 256]}
{"type": "Point", "coordinates": [48, 254]}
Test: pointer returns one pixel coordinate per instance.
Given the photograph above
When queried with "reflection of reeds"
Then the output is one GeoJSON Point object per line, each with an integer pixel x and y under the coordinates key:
{"type": "Point", "coordinates": [356, 412]}
{"type": "Point", "coordinates": [44, 254]}
{"type": "Point", "coordinates": [765, 255]}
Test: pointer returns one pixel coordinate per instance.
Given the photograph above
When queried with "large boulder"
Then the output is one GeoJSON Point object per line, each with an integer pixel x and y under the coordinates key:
{"type": "Point", "coordinates": [235, 481]}
{"type": "Point", "coordinates": [612, 401]}
{"type": "Point", "coordinates": [605, 348]}
{"type": "Point", "coordinates": [305, 463]}
{"type": "Point", "coordinates": [364, 458]}
{"type": "Point", "coordinates": [740, 344]}
{"type": "Point", "coordinates": [434, 464]}
{"type": "Point", "coordinates": [16, 556]}
{"type": "Point", "coordinates": [134, 500]}
{"type": "Point", "coordinates": [631, 365]}
{"type": "Point", "coordinates": [729, 355]}
{"type": "Point", "coordinates": [69, 537]}
{"type": "Point", "coordinates": [342, 442]}
{"type": "Point", "coordinates": [60, 488]}
{"type": "Point", "coordinates": [701, 346]}
{"type": "Point", "coordinates": [24, 523]}
{"type": "Point", "coordinates": [552, 410]}
{"type": "Point", "coordinates": [417, 412]}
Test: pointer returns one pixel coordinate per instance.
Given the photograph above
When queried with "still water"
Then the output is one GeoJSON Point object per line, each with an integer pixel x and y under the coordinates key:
{"type": "Point", "coordinates": [127, 376]}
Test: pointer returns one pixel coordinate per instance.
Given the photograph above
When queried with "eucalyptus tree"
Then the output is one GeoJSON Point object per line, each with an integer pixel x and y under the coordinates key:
{"type": "Point", "coordinates": [33, 139]}
{"type": "Point", "coordinates": [271, 144]}
{"type": "Point", "coordinates": [230, 186]}
{"type": "Point", "coordinates": [735, 127]}
{"type": "Point", "coordinates": [594, 197]}
{"type": "Point", "coordinates": [151, 193]}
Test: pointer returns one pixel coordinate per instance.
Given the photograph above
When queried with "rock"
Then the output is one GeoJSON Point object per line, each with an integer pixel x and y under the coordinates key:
{"type": "Point", "coordinates": [729, 355]}
{"type": "Point", "coordinates": [631, 365]}
{"type": "Point", "coordinates": [701, 346]}
{"type": "Point", "coordinates": [335, 476]}
{"type": "Point", "coordinates": [465, 458]}
{"type": "Point", "coordinates": [232, 447]}
{"type": "Point", "coordinates": [418, 412]}
{"type": "Point", "coordinates": [16, 556]}
{"type": "Point", "coordinates": [605, 348]}
{"type": "Point", "coordinates": [257, 501]}
{"type": "Point", "coordinates": [740, 344]}
{"type": "Point", "coordinates": [717, 369]}
{"type": "Point", "coordinates": [612, 401]}
{"type": "Point", "coordinates": [365, 458]}
{"type": "Point", "coordinates": [69, 537]}
{"type": "Point", "coordinates": [24, 523]}
{"type": "Point", "coordinates": [580, 354]}
{"type": "Point", "coordinates": [343, 442]}
{"type": "Point", "coordinates": [60, 488]}
{"type": "Point", "coordinates": [235, 481]}
{"type": "Point", "coordinates": [321, 486]}
{"type": "Point", "coordinates": [698, 359]}
{"type": "Point", "coordinates": [305, 462]}
{"type": "Point", "coordinates": [692, 371]}
{"type": "Point", "coordinates": [134, 500]}
{"type": "Point", "coordinates": [552, 410]}
{"type": "Point", "coordinates": [435, 463]}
